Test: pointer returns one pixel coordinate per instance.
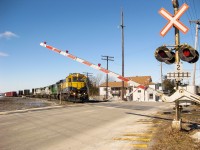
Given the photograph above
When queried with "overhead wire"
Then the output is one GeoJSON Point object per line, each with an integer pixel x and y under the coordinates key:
{"type": "Point", "coordinates": [195, 12]}
{"type": "Point", "coordinates": [192, 5]}
{"type": "Point", "coordinates": [188, 12]}
{"type": "Point", "coordinates": [191, 16]}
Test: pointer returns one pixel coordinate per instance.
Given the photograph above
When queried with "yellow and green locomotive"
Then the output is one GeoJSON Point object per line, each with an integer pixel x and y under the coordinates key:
{"type": "Point", "coordinates": [74, 87]}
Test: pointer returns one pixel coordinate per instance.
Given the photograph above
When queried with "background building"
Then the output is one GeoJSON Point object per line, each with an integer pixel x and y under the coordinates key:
{"type": "Point", "coordinates": [132, 93]}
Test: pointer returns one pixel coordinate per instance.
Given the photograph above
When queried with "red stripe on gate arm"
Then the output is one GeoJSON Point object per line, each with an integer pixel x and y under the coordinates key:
{"type": "Point", "coordinates": [87, 63]}
{"type": "Point", "coordinates": [123, 79]}
{"type": "Point", "coordinates": [104, 70]}
{"type": "Point", "coordinates": [56, 50]}
{"type": "Point", "coordinates": [71, 56]}
{"type": "Point", "coordinates": [53, 49]}
{"type": "Point", "coordinates": [49, 47]}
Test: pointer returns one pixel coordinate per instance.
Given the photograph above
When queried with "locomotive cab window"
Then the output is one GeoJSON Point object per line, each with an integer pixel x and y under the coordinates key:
{"type": "Point", "coordinates": [80, 79]}
{"type": "Point", "coordinates": [75, 79]}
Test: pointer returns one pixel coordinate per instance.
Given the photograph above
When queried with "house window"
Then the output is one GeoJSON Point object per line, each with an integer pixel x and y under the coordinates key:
{"type": "Point", "coordinates": [104, 89]}
{"type": "Point", "coordinates": [115, 88]}
{"type": "Point", "coordinates": [139, 91]}
{"type": "Point", "coordinates": [151, 96]}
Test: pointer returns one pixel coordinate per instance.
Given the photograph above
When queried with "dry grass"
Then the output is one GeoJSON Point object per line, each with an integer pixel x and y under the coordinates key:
{"type": "Point", "coordinates": [166, 138]}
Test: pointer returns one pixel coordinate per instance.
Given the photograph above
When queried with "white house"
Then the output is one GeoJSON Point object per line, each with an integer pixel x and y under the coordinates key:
{"type": "Point", "coordinates": [132, 93]}
{"type": "Point", "coordinates": [114, 89]}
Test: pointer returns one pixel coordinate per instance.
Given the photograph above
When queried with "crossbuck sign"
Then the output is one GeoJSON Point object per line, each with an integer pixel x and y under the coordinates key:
{"type": "Point", "coordinates": [173, 20]}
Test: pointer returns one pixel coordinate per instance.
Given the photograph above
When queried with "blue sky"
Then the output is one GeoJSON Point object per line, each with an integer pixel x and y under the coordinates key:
{"type": "Point", "coordinates": [87, 29]}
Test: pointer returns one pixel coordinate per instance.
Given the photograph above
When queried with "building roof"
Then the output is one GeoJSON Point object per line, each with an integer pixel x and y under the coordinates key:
{"type": "Point", "coordinates": [114, 84]}
{"type": "Point", "coordinates": [144, 80]}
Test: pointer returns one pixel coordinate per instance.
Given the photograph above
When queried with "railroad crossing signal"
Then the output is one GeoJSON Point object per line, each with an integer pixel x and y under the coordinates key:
{"type": "Point", "coordinates": [188, 54]}
{"type": "Point", "coordinates": [163, 54]}
{"type": "Point", "coordinates": [173, 20]}
{"type": "Point", "coordinates": [185, 52]}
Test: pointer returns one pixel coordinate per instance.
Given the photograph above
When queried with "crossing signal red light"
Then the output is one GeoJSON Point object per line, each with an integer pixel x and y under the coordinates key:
{"type": "Point", "coordinates": [163, 54]}
{"type": "Point", "coordinates": [188, 54]}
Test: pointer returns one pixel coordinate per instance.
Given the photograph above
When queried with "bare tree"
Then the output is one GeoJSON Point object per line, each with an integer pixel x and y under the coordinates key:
{"type": "Point", "coordinates": [97, 79]}
{"type": "Point", "coordinates": [110, 79]}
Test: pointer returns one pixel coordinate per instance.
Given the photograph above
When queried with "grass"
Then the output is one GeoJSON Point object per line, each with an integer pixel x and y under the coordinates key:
{"type": "Point", "coordinates": [166, 138]}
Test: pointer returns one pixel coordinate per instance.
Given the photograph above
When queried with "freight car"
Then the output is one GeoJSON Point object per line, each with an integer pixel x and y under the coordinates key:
{"type": "Point", "coordinates": [11, 94]}
{"type": "Point", "coordinates": [42, 92]}
{"type": "Point", "coordinates": [26, 92]}
{"type": "Point", "coordinates": [20, 93]}
{"type": "Point", "coordinates": [37, 93]}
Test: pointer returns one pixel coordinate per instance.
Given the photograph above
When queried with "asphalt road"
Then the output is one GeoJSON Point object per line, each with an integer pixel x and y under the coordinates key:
{"type": "Point", "coordinates": [95, 126]}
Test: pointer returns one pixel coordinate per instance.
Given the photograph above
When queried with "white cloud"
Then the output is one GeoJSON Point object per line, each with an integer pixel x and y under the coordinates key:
{"type": "Point", "coordinates": [8, 35]}
{"type": "Point", "coordinates": [3, 54]}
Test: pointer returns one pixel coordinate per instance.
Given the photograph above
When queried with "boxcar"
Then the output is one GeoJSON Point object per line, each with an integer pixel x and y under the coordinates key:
{"type": "Point", "coordinates": [11, 94]}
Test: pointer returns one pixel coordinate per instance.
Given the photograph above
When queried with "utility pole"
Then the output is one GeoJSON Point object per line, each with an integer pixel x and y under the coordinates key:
{"type": "Point", "coordinates": [177, 122]}
{"type": "Point", "coordinates": [87, 82]}
{"type": "Point", "coordinates": [195, 46]}
{"type": "Point", "coordinates": [107, 58]}
{"type": "Point", "coordinates": [161, 76]}
{"type": "Point", "coordinates": [122, 27]}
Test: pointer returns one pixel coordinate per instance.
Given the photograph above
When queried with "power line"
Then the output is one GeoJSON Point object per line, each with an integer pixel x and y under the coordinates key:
{"type": "Point", "coordinates": [195, 12]}
{"type": "Point", "coordinates": [189, 15]}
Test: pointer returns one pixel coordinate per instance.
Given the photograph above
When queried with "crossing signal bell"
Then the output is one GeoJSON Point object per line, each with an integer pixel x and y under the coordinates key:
{"type": "Point", "coordinates": [163, 54]}
{"type": "Point", "coordinates": [188, 54]}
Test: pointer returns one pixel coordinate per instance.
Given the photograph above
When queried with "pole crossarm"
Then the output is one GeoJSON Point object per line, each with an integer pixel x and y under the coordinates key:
{"type": "Point", "coordinates": [107, 58]}
{"type": "Point", "coordinates": [195, 21]}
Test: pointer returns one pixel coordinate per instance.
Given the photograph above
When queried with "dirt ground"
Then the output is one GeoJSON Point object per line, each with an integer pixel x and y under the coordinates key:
{"type": "Point", "coordinates": [19, 103]}
{"type": "Point", "coordinates": [16, 103]}
{"type": "Point", "coordinates": [166, 138]}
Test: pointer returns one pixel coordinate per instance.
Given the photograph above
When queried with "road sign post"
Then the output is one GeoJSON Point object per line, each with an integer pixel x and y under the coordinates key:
{"type": "Point", "coordinates": [173, 20]}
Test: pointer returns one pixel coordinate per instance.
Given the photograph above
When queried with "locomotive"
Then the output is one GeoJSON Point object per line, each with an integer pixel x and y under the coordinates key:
{"type": "Point", "coordinates": [74, 87]}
